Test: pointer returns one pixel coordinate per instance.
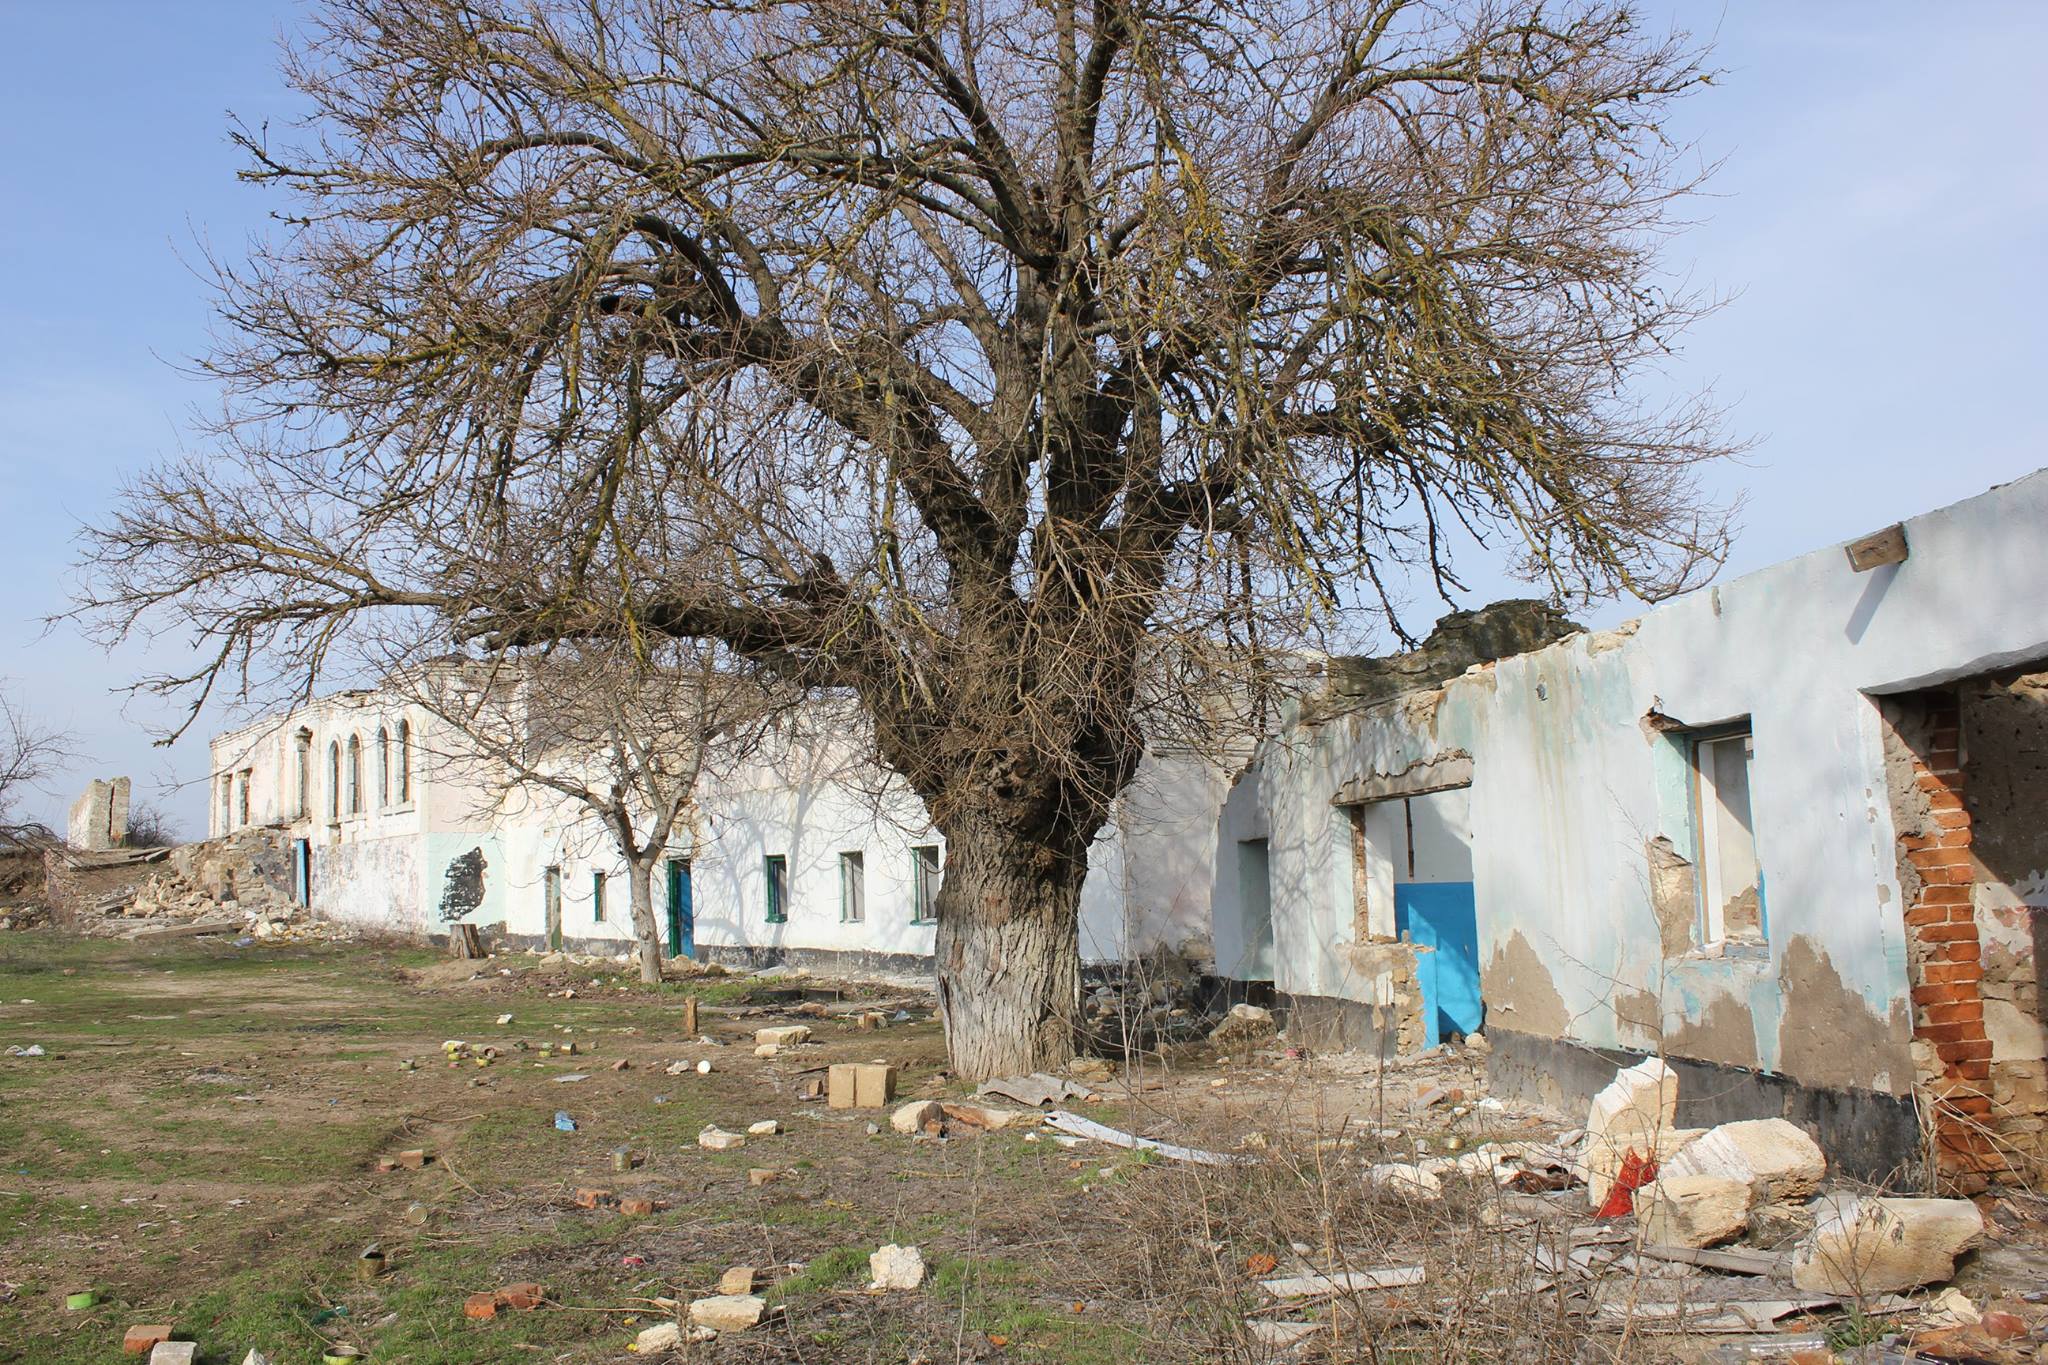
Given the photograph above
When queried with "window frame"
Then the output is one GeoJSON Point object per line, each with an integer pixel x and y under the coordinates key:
{"type": "Point", "coordinates": [597, 907]}
{"type": "Point", "coordinates": [334, 781]}
{"type": "Point", "coordinates": [775, 887]}
{"type": "Point", "coordinates": [925, 881]}
{"type": "Point", "coordinates": [383, 767]}
{"type": "Point", "coordinates": [1701, 745]}
{"type": "Point", "coordinates": [355, 774]}
{"type": "Point", "coordinates": [302, 789]}
{"type": "Point", "coordinates": [853, 886]}
{"type": "Point", "coordinates": [404, 761]}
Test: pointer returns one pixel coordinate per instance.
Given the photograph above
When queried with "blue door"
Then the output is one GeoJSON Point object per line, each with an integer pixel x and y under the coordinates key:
{"type": "Point", "coordinates": [1442, 915]}
{"type": "Point", "coordinates": [682, 920]}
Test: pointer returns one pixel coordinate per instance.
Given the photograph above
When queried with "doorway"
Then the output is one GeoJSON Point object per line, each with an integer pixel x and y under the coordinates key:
{"type": "Point", "coordinates": [302, 871]}
{"type": "Point", "coordinates": [552, 900]}
{"type": "Point", "coordinates": [1255, 899]}
{"type": "Point", "coordinates": [1416, 856]}
{"type": "Point", "coordinates": [682, 918]}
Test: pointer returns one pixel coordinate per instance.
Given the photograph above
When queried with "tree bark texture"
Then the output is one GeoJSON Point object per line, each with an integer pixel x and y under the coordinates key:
{"type": "Point", "coordinates": [640, 877]}
{"type": "Point", "coordinates": [1009, 955]}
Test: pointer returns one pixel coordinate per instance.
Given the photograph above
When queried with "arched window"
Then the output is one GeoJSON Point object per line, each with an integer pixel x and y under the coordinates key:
{"type": "Point", "coordinates": [355, 774]}
{"type": "Point", "coordinates": [383, 767]}
{"type": "Point", "coordinates": [333, 780]}
{"type": "Point", "coordinates": [303, 786]}
{"type": "Point", "coordinates": [404, 762]}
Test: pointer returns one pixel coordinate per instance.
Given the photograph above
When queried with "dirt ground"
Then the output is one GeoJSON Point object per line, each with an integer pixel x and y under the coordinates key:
{"type": "Point", "coordinates": [199, 1147]}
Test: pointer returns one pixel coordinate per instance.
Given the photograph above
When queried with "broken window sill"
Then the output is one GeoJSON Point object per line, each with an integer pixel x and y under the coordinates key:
{"type": "Point", "coordinates": [1729, 950]}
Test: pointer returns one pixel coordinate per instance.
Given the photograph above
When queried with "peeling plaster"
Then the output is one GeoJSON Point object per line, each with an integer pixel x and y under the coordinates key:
{"type": "Point", "coordinates": [1829, 1035]}
{"type": "Point", "coordinates": [1517, 987]}
{"type": "Point", "coordinates": [1724, 1032]}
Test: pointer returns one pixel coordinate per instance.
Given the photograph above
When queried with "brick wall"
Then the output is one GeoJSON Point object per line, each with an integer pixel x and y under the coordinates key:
{"type": "Point", "coordinates": [1944, 954]}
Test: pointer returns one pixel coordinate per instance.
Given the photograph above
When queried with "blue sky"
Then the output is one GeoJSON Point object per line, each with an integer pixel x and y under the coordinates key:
{"type": "Point", "coordinates": [1880, 220]}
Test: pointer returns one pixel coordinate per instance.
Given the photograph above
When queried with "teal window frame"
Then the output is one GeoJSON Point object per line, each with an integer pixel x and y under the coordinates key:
{"type": "Point", "coordinates": [597, 898]}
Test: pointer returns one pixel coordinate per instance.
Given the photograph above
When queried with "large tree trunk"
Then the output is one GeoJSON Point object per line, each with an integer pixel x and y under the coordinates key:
{"type": "Point", "coordinates": [1009, 951]}
{"type": "Point", "coordinates": [640, 877]}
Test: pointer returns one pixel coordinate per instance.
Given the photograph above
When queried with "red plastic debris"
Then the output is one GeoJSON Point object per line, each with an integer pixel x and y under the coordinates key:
{"type": "Point", "coordinates": [1636, 1172]}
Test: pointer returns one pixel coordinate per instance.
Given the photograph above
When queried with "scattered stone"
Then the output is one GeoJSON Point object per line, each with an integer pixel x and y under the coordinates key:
{"type": "Point", "coordinates": [1692, 1210]}
{"type": "Point", "coordinates": [716, 1139]}
{"type": "Point", "coordinates": [738, 1280]}
{"type": "Point", "coordinates": [1282, 1334]}
{"type": "Point", "coordinates": [1950, 1308]}
{"type": "Point", "coordinates": [1636, 1113]}
{"type": "Point", "coordinates": [663, 1336]}
{"type": "Point", "coordinates": [728, 1312]}
{"type": "Point", "coordinates": [637, 1206]}
{"type": "Point", "coordinates": [1405, 1178]}
{"type": "Point", "coordinates": [174, 1353]}
{"type": "Point", "coordinates": [1863, 1245]}
{"type": "Point", "coordinates": [1773, 1157]}
{"type": "Point", "coordinates": [1244, 1024]}
{"type": "Point", "coordinates": [143, 1338]}
{"type": "Point", "coordinates": [593, 1199]}
{"type": "Point", "coordinates": [1096, 1069]}
{"type": "Point", "coordinates": [761, 1175]}
{"type": "Point", "coordinates": [895, 1267]}
{"type": "Point", "coordinates": [256, 1357]}
{"type": "Point", "coordinates": [480, 1306]}
{"type": "Point", "coordinates": [913, 1117]}
{"type": "Point", "coordinates": [976, 1116]}
{"type": "Point", "coordinates": [622, 1065]}
{"type": "Point", "coordinates": [765, 1128]}
{"type": "Point", "coordinates": [1344, 1282]}
{"type": "Point", "coordinates": [859, 1085]}
{"type": "Point", "coordinates": [413, 1160]}
{"type": "Point", "coordinates": [789, 1035]}
{"type": "Point", "coordinates": [524, 1296]}
{"type": "Point", "coordinates": [766, 1049]}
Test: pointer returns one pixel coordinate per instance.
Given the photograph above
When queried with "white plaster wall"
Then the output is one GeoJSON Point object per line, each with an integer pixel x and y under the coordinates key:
{"type": "Point", "coordinates": [1566, 788]}
{"type": "Point", "coordinates": [1243, 953]}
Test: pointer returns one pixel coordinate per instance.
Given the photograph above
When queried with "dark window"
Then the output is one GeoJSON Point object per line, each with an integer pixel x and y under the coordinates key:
{"type": "Point", "coordinates": [775, 874]}
{"type": "Point", "coordinates": [597, 897]}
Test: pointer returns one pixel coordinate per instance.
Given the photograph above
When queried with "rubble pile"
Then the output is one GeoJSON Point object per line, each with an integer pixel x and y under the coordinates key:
{"type": "Point", "coordinates": [1155, 1001]}
{"type": "Point", "coordinates": [238, 884]}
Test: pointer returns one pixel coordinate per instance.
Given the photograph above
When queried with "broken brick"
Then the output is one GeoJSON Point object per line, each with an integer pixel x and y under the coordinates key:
{"type": "Point", "coordinates": [142, 1338]}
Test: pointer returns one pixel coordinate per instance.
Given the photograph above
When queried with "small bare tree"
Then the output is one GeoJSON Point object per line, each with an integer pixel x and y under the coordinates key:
{"type": "Point", "coordinates": [620, 740]}
{"type": "Point", "coordinates": [1031, 371]}
{"type": "Point", "coordinates": [29, 753]}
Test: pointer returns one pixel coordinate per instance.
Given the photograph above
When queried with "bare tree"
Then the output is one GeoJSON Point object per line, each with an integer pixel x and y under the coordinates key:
{"type": "Point", "coordinates": [1033, 371]}
{"type": "Point", "coordinates": [613, 738]}
{"type": "Point", "coordinates": [28, 754]}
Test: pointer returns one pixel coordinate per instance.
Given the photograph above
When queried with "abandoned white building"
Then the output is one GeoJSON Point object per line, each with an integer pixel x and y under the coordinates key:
{"type": "Point", "coordinates": [1789, 832]}
{"type": "Point", "coordinates": [805, 854]}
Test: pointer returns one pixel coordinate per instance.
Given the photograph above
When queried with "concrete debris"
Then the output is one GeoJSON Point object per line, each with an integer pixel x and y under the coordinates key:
{"type": "Point", "coordinates": [728, 1312]}
{"type": "Point", "coordinates": [765, 1128]}
{"type": "Point", "coordinates": [99, 817]}
{"type": "Point", "coordinates": [1062, 1121]}
{"type": "Point", "coordinates": [1950, 1308]}
{"type": "Point", "coordinates": [762, 1175]}
{"type": "Point", "coordinates": [174, 1353]}
{"type": "Point", "coordinates": [1406, 1178]}
{"type": "Point", "coordinates": [256, 1357]}
{"type": "Point", "coordinates": [738, 1280]}
{"type": "Point", "coordinates": [1865, 1245]}
{"type": "Point", "coordinates": [1344, 1282]}
{"type": "Point", "coordinates": [1692, 1210]}
{"type": "Point", "coordinates": [1036, 1090]}
{"type": "Point", "coordinates": [896, 1267]}
{"type": "Point", "coordinates": [716, 1139]}
{"type": "Point", "coordinates": [1774, 1157]}
{"type": "Point", "coordinates": [1282, 1334]}
{"type": "Point", "coordinates": [788, 1035]}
